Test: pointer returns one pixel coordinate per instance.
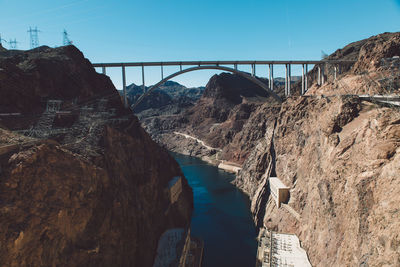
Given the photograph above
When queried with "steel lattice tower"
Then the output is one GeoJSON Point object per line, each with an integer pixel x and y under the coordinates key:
{"type": "Point", "coordinates": [66, 40]}
{"type": "Point", "coordinates": [13, 43]}
{"type": "Point", "coordinates": [33, 33]}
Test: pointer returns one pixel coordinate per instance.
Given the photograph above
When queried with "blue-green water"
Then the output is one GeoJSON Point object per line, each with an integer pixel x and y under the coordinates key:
{"type": "Point", "coordinates": [221, 215]}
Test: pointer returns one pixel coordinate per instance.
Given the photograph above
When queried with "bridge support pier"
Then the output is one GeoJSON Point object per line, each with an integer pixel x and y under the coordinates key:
{"type": "Point", "coordinates": [272, 77]}
{"type": "Point", "coordinates": [143, 83]}
{"type": "Point", "coordinates": [335, 68]}
{"type": "Point", "coordinates": [286, 79]}
{"type": "Point", "coordinates": [306, 80]}
{"type": "Point", "coordinates": [269, 76]}
{"type": "Point", "coordinates": [319, 75]}
{"type": "Point", "coordinates": [302, 80]}
{"type": "Point", "coordinates": [103, 70]}
{"type": "Point", "coordinates": [162, 72]}
{"type": "Point", "coordinates": [124, 87]}
{"type": "Point", "coordinates": [289, 79]}
{"type": "Point", "coordinates": [253, 70]}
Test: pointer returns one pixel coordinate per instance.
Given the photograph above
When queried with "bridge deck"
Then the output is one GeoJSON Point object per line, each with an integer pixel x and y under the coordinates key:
{"type": "Point", "coordinates": [220, 62]}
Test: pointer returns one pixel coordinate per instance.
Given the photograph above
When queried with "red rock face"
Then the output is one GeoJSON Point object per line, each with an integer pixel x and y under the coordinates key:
{"type": "Point", "coordinates": [103, 203]}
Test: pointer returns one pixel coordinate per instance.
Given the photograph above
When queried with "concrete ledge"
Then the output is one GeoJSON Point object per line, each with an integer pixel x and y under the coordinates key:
{"type": "Point", "coordinates": [229, 167]}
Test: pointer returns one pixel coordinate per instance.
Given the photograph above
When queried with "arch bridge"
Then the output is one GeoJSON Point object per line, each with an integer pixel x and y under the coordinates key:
{"type": "Point", "coordinates": [223, 65]}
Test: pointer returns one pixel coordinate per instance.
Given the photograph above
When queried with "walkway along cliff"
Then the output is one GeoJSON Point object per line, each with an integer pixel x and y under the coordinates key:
{"type": "Point", "coordinates": [81, 183]}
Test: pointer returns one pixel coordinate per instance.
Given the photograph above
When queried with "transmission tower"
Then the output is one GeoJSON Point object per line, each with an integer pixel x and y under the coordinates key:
{"type": "Point", "coordinates": [33, 33]}
{"type": "Point", "coordinates": [66, 40]}
{"type": "Point", "coordinates": [13, 43]}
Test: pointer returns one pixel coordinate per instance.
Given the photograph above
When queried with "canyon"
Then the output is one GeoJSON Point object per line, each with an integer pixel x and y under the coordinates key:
{"type": "Point", "coordinates": [82, 183]}
{"type": "Point", "coordinates": [338, 153]}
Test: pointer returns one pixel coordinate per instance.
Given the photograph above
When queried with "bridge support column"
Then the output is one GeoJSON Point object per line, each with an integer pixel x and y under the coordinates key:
{"type": "Point", "coordinates": [269, 76]}
{"type": "Point", "coordinates": [335, 68]}
{"type": "Point", "coordinates": [124, 87]}
{"type": "Point", "coordinates": [162, 72]}
{"type": "Point", "coordinates": [286, 79]}
{"type": "Point", "coordinates": [103, 70]}
{"type": "Point", "coordinates": [306, 80]}
{"type": "Point", "coordinates": [235, 66]}
{"type": "Point", "coordinates": [323, 74]}
{"type": "Point", "coordinates": [319, 75]}
{"type": "Point", "coordinates": [253, 70]}
{"type": "Point", "coordinates": [143, 83]}
{"type": "Point", "coordinates": [180, 66]}
{"type": "Point", "coordinates": [272, 77]}
{"type": "Point", "coordinates": [289, 78]}
{"type": "Point", "coordinates": [302, 80]}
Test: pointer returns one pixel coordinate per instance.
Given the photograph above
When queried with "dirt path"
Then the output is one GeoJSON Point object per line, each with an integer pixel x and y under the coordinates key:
{"type": "Point", "coordinates": [198, 140]}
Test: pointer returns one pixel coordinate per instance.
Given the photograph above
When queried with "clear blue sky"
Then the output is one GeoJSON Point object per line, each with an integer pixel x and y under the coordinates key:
{"type": "Point", "coordinates": [162, 30]}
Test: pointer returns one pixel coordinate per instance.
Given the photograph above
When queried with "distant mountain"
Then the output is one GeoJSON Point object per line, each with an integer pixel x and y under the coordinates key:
{"type": "Point", "coordinates": [169, 94]}
{"type": "Point", "coordinates": [175, 89]}
{"type": "Point", "coordinates": [281, 80]}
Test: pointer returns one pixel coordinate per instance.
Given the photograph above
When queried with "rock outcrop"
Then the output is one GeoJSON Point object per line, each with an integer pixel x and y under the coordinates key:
{"type": "Point", "coordinates": [94, 195]}
{"type": "Point", "coordinates": [343, 179]}
{"type": "Point", "coordinates": [340, 157]}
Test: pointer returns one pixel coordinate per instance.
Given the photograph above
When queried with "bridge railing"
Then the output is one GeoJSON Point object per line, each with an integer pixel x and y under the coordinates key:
{"type": "Point", "coordinates": [235, 63]}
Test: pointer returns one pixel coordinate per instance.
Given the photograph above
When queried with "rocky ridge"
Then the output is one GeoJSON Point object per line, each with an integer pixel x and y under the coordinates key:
{"type": "Point", "coordinates": [94, 195]}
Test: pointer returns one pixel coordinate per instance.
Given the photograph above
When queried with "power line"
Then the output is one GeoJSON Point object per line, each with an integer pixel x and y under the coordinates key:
{"type": "Point", "coordinates": [33, 33]}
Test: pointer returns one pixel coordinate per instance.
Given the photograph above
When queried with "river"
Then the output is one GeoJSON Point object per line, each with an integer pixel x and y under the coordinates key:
{"type": "Point", "coordinates": [221, 215]}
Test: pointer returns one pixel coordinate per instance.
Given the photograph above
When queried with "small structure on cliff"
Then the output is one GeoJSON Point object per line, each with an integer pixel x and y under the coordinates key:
{"type": "Point", "coordinates": [279, 191]}
{"type": "Point", "coordinates": [175, 188]}
{"type": "Point", "coordinates": [277, 249]}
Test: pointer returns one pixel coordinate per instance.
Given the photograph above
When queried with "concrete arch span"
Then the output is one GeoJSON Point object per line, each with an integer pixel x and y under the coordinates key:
{"type": "Point", "coordinates": [241, 73]}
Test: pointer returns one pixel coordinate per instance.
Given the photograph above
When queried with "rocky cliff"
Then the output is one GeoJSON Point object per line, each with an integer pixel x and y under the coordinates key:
{"type": "Point", "coordinates": [339, 156]}
{"type": "Point", "coordinates": [85, 185]}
